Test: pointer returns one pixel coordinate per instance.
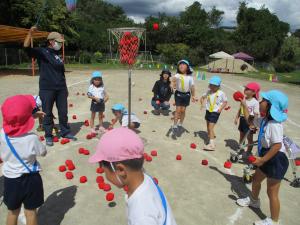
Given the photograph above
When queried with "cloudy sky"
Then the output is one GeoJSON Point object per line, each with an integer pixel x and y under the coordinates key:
{"type": "Point", "coordinates": [286, 10]}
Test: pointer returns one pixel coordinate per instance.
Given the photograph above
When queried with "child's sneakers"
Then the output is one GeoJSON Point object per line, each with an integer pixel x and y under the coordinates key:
{"type": "Point", "coordinates": [267, 221]}
{"type": "Point", "coordinates": [209, 147]}
{"type": "Point", "coordinates": [101, 130]}
{"type": "Point", "coordinates": [248, 202]}
{"type": "Point", "coordinates": [93, 131]}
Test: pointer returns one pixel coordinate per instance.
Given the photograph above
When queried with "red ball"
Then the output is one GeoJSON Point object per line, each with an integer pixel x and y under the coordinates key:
{"type": "Point", "coordinates": [86, 123]}
{"type": "Point", "coordinates": [55, 139]}
{"type": "Point", "coordinates": [86, 152]}
{"type": "Point", "coordinates": [193, 146]}
{"type": "Point", "coordinates": [238, 96]}
{"type": "Point", "coordinates": [100, 179]}
{"type": "Point", "coordinates": [125, 188]}
{"type": "Point", "coordinates": [154, 153]}
{"type": "Point", "coordinates": [110, 196]}
{"type": "Point", "coordinates": [178, 157]}
{"type": "Point", "coordinates": [100, 170]}
{"type": "Point", "coordinates": [89, 136]}
{"type": "Point", "coordinates": [107, 187]}
{"type": "Point", "coordinates": [81, 150]}
{"type": "Point", "coordinates": [42, 138]}
{"type": "Point", "coordinates": [93, 135]}
{"type": "Point", "coordinates": [251, 159]}
{"type": "Point", "coordinates": [74, 117]}
{"type": "Point", "coordinates": [101, 185]}
{"type": "Point", "coordinates": [155, 26]}
{"type": "Point", "coordinates": [204, 162]}
{"type": "Point", "coordinates": [69, 175]}
{"type": "Point", "coordinates": [83, 179]}
{"type": "Point", "coordinates": [149, 158]}
{"type": "Point", "coordinates": [155, 180]}
{"type": "Point", "coordinates": [297, 162]}
{"type": "Point", "coordinates": [62, 168]}
{"type": "Point", "coordinates": [227, 164]}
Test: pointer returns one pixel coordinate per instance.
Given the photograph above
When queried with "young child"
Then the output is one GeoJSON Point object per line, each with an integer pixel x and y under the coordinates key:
{"type": "Point", "coordinates": [99, 97]}
{"type": "Point", "coordinates": [19, 149]}
{"type": "Point", "coordinates": [121, 115]}
{"type": "Point", "coordinates": [216, 101]}
{"type": "Point", "coordinates": [183, 83]}
{"type": "Point", "coordinates": [251, 96]}
{"type": "Point", "coordinates": [271, 162]}
{"type": "Point", "coordinates": [162, 92]}
{"type": "Point", "coordinates": [120, 153]}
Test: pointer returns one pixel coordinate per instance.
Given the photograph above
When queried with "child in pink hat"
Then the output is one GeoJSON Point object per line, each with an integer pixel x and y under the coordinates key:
{"type": "Point", "coordinates": [251, 97]}
{"type": "Point", "coordinates": [19, 147]}
{"type": "Point", "coordinates": [120, 153]}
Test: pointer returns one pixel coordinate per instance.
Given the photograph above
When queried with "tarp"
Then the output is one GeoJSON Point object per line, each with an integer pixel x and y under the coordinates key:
{"type": "Point", "coordinates": [17, 34]}
{"type": "Point", "coordinates": [221, 55]}
{"type": "Point", "coordinates": [243, 56]}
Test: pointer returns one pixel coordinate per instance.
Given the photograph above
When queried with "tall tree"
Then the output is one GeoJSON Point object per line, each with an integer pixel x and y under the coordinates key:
{"type": "Point", "coordinates": [215, 17]}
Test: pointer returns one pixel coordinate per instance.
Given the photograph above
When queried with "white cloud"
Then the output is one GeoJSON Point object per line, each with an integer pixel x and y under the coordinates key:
{"type": "Point", "coordinates": [286, 10]}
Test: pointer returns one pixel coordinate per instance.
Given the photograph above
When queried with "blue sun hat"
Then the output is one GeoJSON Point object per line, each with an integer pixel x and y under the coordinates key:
{"type": "Point", "coordinates": [118, 107]}
{"type": "Point", "coordinates": [184, 61]}
{"type": "Point", "coordinates": [279, 104]}
{"type": "Point", "coordinates": [215, 80]}
{"type": "Point", "coordinates": [96, 74]}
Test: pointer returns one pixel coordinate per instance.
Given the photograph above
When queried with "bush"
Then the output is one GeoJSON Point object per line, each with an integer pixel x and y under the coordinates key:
{"type": "Point", "coordinates": [196, 56]}
{"type": "Point", "coordinates": [85, 57]}
{"type": "Point", "coordinates": [284, 66]}
{"type": "Point", "coordinates": [172, 53]}
{"type": "Point", "coordinates": [98, 57]}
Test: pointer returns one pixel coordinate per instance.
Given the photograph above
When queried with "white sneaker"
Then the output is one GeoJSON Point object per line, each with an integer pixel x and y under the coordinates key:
{"type": "Point", "coordinates": [247, 202]}
{"type": "Point", "coordinates": [267, 221]}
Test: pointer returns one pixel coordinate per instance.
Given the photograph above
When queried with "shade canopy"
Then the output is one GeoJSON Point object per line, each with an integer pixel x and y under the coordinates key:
{"type": "Point", "coordinates": [17, 34]}
{"type": "Point", "coordinates": [221, 55]}
{"type": "Point", "coordinates": [242, 56]}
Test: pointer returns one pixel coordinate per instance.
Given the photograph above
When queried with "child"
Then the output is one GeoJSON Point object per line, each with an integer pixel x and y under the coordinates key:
{"type": "Point", "coordinates": [216, 101]}
{"type": "Point", "coordinates": [271, 162]}
{"type": "Point", "coordinates": [120, 153]}
{"type": "Point", "coordinates": [162, 92]}
{"type": "Point", "coordinates": [38, 105]}
{"type": "Point", "coordinates": [99, 97]}
{"type": "Point", "coordinates": [251, 94]}
{"type": "Point", "coordinates": [183, 83]}
{"type": "Point", "coordinates": [121, 115]}
{"type": "Point", "coordinates": [19, 149]}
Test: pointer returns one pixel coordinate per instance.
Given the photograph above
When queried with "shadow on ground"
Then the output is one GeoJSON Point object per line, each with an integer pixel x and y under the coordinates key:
{"type": "Point", "coordinates": [56, 206]}
{"type": "Point", "coordinates": [239, 189]}
{"type": "Point", "coordinates": [203, 135]}
{"type": "Point", "coordinates": [231, 143]}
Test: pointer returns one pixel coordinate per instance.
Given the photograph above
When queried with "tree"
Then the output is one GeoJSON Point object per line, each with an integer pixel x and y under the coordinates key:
{"type": "Point", "coordinates": [172, 53]}
{"type": "Point", "coordinates": [215, 17]}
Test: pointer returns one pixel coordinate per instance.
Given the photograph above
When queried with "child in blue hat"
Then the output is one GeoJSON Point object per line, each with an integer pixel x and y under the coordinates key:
{"type": "Point", "coordinates": [99, 97]}
{"type": "Point", "coordinates": [271, 162]}
{"type": "Point", "coordinates": [183, 84]}
{"type": "Point", "coordinates": [216, 101]}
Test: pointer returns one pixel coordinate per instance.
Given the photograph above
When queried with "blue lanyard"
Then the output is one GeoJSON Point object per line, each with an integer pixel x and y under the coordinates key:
{"type": "Point", "coordinates": [262, 126]}
{"type": "Point", "coordinates": [163, 200]}
{"type": "Point", "coordinates": [13, 150]}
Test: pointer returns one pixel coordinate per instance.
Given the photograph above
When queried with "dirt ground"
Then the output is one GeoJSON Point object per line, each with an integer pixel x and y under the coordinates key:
{"type": "Point", "coordinates": [197, 194]}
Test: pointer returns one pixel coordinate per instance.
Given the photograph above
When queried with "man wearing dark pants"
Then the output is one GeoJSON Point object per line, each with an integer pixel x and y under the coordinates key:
{"type": "Point", "coordinates": [52, 84]}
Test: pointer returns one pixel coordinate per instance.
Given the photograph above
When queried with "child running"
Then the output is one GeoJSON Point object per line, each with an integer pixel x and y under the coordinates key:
{"type": "Point", "coordinates": [19, 149]}
{"type": "Point", "coordinates": [120, 153]}
{"type": "Point", "coordinates": [271, 162]}
{"type": "Point", "coordinates": [99, 97]}
{"type": "Point", "coordinates": [183, 83]}
{"type": "Point", "coordinates": [122, 115]}
{"type": "Point", "coordinates": [216, 101]}
{"type": "Point", "coordinates": [251, 96]}
{"type": "Point", "coordinates": [162, 93]}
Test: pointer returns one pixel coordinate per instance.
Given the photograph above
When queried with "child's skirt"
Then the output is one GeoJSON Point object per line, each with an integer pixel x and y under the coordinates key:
{"type": "Point", "coordinates": [27, 190]}
{"type": "Point", "coordinates": [182, 98]}
{"type": "Point", "coordinates": [243, 126]}
{"type": "Point", "coordinates": [97, 106]}
{"type": "Point", "coordinates": [212, 117]}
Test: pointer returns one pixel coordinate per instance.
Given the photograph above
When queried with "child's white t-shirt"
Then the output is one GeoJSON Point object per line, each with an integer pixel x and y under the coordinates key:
{"type": "Point", "coordinates": [221, 98]}
{"type": "Point", "coordinates": [184, 83]}
{"type": "Point", "coordinates": [28, 146]}
{"type": "Point", "coordinates": [273, 133]}
{"type": "Point", "coordinates": [253, 107]}
{"type": "Point", "coordinates": [144, 206]}
{"type": "Point", "coordinates": [133, 119]}
{"type": "Point", "coordinates": [98, 92]}
{"type": "Point", "coordinates": [38, 101]}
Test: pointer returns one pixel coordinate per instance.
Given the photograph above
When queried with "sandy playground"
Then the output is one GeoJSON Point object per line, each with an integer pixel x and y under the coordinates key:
{"type": "Point", "coordinates": [197, 194]}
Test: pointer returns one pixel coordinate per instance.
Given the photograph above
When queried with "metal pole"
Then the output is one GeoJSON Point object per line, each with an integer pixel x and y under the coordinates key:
{"type": "Point", "coordinates": [129, 95]}
{"type": "Point", "coordinates": [109, 44]}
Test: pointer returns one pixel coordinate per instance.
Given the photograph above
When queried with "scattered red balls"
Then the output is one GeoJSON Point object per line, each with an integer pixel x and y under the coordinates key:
{"type": "Point", "coordinates": [64, 141]}
{"type": "Point", "coordinates": [93, 134]}
{"type": "Point", "coordinates": [251, 159]}
{"type": "Point", "coordinates": [86, 152]}
{"type": "Point", "coordinates": [89, 136]}
{"type": "Point", "coordinates": [125, 188]}
{"type": "Point", "coordinates": [81, 150]}
{"type": "Point", "coordinates": [193, 146]}
{"type": "Point", "coordinates": [238, 96]}
{"type": "Point", "coordinates": [227, 164]}
{"type": "Point", "coordinates": [155, 180]}
{"type": "Point", "coordinates": [100, 170]}
{"type": "Point", "coordinates": [148, 158]}
{"type": "Point", "coordinates": [204, 162]}
{"type": "Point", "coordinates": [110, 196]}
{"type": "Point", "coordinates": [42, 138]}
{"type": "Point", "coordinates": [83, 179]}
{"type": "Point", "coordinates": [297, 162]}
{"type": "Point", "coordinates": [62, 168]}
{"type": "Point", "coordinates": [86, 123]}
{"type": "Point", "coordinates": [178, 157]}
{"type": "Point", "coordinates": [70, 165]}
{"type": "Point", "coordinates": [69, 175]}
{"type": "Point", "coordinates": [100, 179]}
{"type": "Point", "coordinates": [74, 117]}
{"type": "Point", "coordinates": [107, 187]}
{"type": "Point", "coordinates": [101, 185]}
{"type": "Point", "coordinates": [55, 139]}
{"type": "Point", "coordinates": [155, 26]}
{"type": "Point", "coordinates": [154, 153]}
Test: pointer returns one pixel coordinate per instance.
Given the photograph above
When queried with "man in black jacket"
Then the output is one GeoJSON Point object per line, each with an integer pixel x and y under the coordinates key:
{"type": "Point", "coordinates": [162, 93]}
{"type": "Point", "coordinates": [52, 83]}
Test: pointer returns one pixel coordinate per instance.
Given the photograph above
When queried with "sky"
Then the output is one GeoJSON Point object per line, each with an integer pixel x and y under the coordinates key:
{"type": "Point", "coordinates": [286, 10]}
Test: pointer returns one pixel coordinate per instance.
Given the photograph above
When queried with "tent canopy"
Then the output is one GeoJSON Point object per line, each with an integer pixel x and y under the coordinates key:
{"type": "Point", "coordinates": [17, 34]}
{"type": "Point", "coordinates": [242, 56]}
{"type": "Point", "coordinates": [221, 55]}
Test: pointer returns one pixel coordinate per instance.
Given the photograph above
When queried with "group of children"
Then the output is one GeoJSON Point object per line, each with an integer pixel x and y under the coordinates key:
{"type": "Point", "coordinates": [120, 152]}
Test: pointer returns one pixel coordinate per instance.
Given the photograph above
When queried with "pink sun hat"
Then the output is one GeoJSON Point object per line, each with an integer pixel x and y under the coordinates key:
{"type": "Point", "coordinates": [17, 115]}
{"type": "Point", "coordinates": [254, 87]}
{"type": "Point", "coordinates": [118, 145]}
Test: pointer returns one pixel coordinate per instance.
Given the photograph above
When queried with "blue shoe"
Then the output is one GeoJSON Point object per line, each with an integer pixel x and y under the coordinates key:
{"type": "Point", "coordinates": [49, 141]}
{"type": "Point", "coordinates": [71, 137]}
